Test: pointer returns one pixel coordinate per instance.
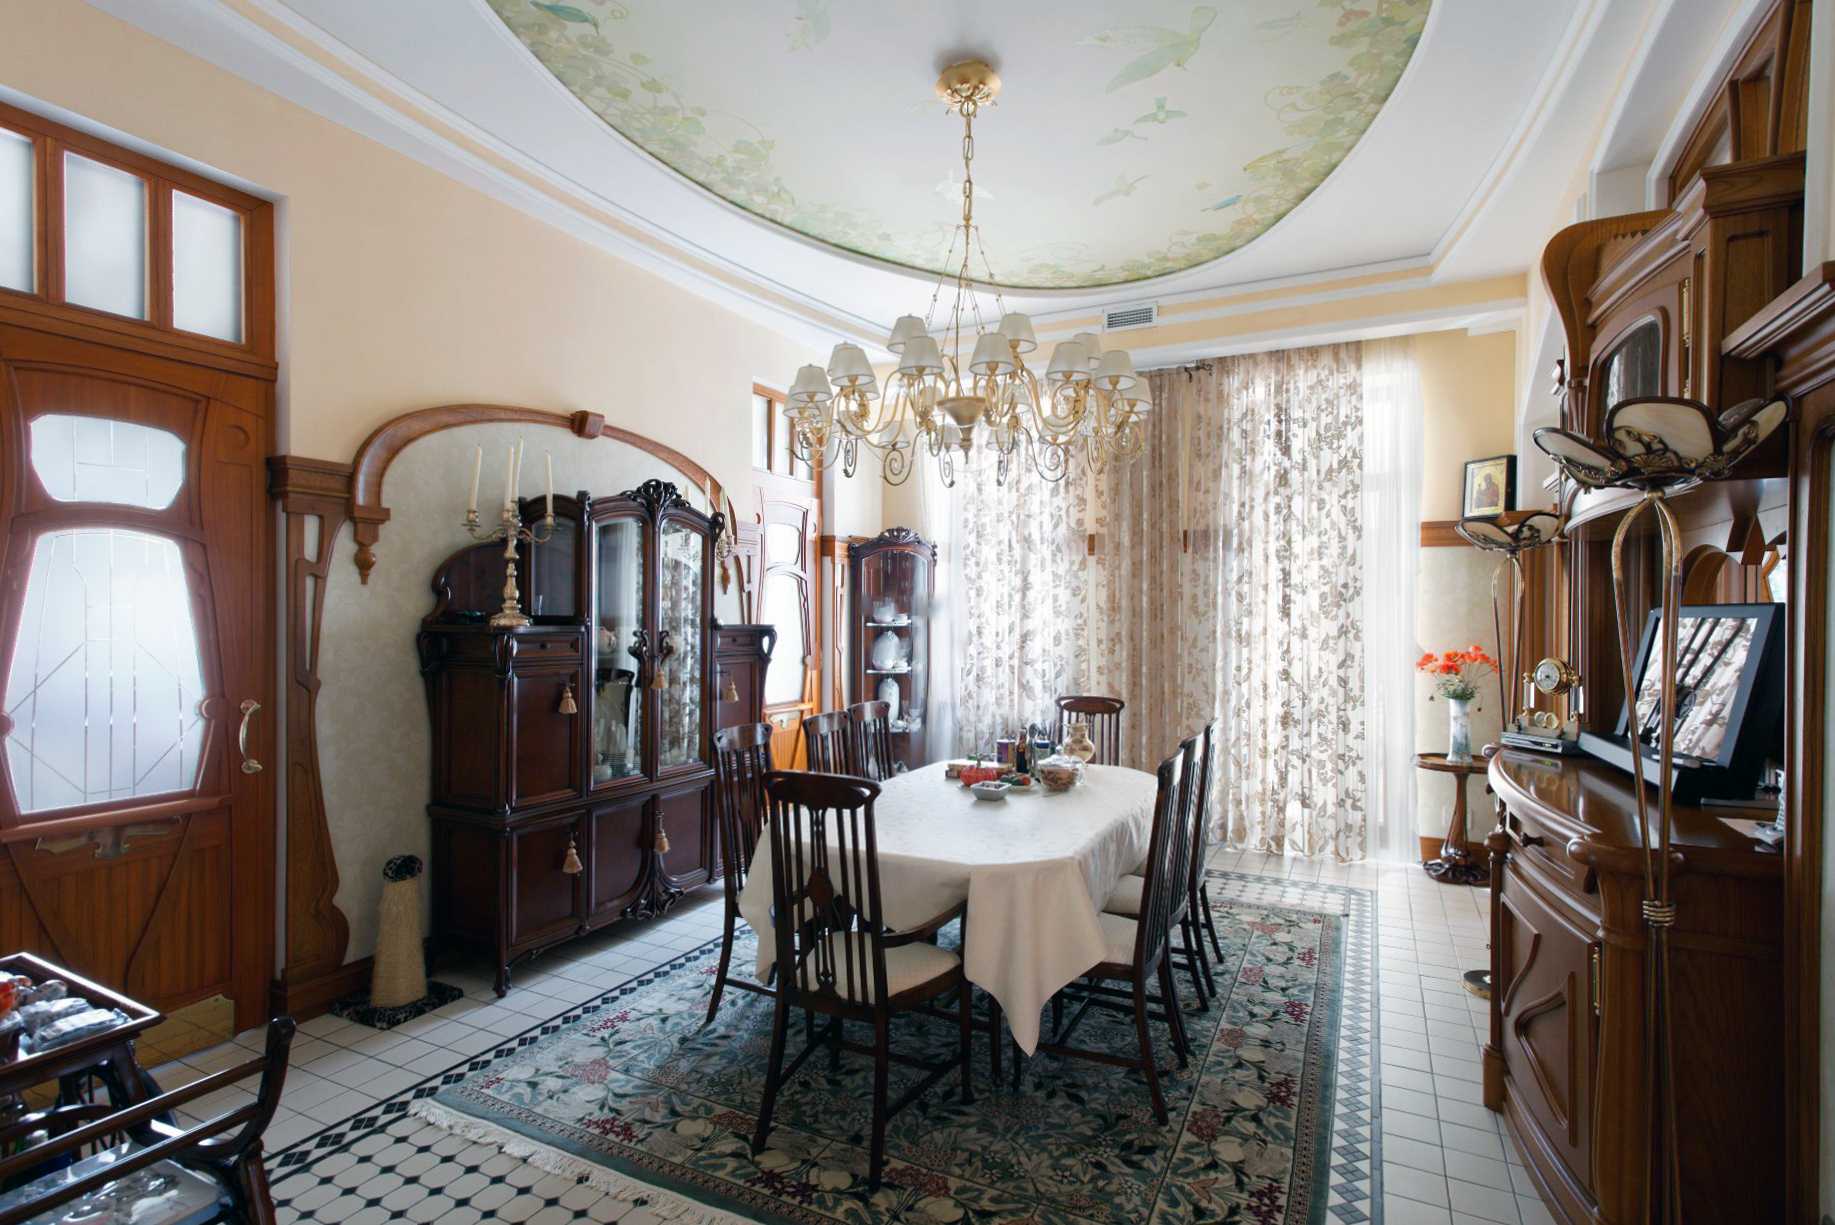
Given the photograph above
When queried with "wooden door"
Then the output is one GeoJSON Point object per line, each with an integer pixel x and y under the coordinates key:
{"type": "Point", "coordinates": [136, 670]}
{"type": "Point", "coordinates": [788, 504]}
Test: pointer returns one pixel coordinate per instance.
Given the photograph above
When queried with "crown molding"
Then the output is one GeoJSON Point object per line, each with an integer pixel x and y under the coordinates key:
{"type": "Point", "coordinates": [1551, 88]}
{"type": "Point", "coordinates": [1500, 315]}
{"type": "Point", "coordinates": [331, 80]}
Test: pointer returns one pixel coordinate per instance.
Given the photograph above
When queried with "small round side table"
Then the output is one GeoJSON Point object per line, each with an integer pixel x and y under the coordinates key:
{"type": "Point", "coordinates": [1456, 865]}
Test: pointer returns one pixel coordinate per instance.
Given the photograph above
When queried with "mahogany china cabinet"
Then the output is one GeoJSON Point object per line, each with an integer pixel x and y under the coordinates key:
{"type": "Point", "coordinates": [572, 757]}
{"type": "Point", "coordinates": [890, 582]}
{"type": "Point", "coordinates": [1652, 304]}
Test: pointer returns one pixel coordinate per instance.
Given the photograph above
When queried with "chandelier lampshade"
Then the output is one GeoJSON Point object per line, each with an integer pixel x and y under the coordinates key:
{"type": "Point", "coordinates": [1091, 406]}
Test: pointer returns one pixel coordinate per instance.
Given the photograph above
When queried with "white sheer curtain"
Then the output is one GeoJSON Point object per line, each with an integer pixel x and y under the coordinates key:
{"type": "Point", "coordinates": [1391, 542]}
{"type": "Point", "coordinates": [1020, 586]}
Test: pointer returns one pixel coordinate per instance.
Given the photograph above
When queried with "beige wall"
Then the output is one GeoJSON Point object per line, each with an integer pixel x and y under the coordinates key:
{"type": "Point", "coordinates": [1468, 396]}
{"type": "Point", "coordinates": [1468, 400]}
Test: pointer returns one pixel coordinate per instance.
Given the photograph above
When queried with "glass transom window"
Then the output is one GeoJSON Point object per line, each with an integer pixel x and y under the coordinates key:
{"type": "Point", "coordinates": [93, 459]}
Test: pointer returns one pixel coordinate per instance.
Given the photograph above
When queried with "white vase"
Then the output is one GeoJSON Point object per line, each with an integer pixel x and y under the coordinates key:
{"type": "Point", "coordinates": [1459, 730]}
{"type": "Point", "coordinates": [888, 693]}
{"type": "Point", "coordinates": [886, 653]}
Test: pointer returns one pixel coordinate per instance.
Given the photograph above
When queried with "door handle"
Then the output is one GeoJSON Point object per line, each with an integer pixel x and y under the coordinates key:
{"type": "Point", "coordinates": [249, 764]}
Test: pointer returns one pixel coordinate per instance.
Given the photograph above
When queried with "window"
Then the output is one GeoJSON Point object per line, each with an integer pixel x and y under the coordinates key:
{"type": "Point", "coordinates": [771, 447]}
{"type": "Point", "coordinates": [18, 229]}
{"type": "Point", "coordinates": [95, 459]}
{"type": "Point", "coordinates": [100, 234]}
{"type": "Point", "coordinates": [102, 693]}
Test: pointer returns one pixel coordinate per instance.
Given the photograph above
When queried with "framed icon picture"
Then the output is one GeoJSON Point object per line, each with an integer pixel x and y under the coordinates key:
{"type": "Point", "coordinates": [1490, 485]}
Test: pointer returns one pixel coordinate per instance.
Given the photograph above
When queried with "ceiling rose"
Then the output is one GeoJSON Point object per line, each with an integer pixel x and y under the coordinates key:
{"type": "Point", "coordinates": [1151, 136]}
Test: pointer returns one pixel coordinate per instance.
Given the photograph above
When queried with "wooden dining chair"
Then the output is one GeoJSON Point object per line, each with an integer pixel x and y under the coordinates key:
{"type": "Point", "coordinates": [742, 758]}
{"type": "Point", "coordinates": [1137, 955]}
{"type": "Point", "coordinates": [829, 741]}
{"type": "Point", "coordinates": [836, 956]}
{"type": "Point", "coordinates": [1104, 718]}
{"type": "Point", "coordinates": [225, 1148]}
{"type": "Point", "coordinates": [872, 728]}
{"type": "Point", "coordinates": [1194, 918]}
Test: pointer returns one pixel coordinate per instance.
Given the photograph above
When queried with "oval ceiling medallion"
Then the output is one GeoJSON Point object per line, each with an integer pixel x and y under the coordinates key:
{"type": "Point", "coordinates": [1132, 139]}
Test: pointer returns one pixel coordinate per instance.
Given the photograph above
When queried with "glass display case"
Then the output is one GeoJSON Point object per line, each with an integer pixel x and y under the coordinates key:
{"type": "Point", "coordinates": [572, 776]}
{"type": "Point", "coordinates": [890, 586]}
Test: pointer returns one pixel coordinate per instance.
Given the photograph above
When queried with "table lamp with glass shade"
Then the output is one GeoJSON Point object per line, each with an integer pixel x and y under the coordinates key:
{"type": "Point", "coordinates": [1659, 446]}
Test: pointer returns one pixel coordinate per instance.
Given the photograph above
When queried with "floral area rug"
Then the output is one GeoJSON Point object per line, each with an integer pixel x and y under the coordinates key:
{"type": "Point", "coordinates": [632, 1094]}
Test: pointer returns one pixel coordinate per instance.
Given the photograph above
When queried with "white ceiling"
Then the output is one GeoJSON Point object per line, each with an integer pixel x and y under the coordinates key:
{"type": "Point", "coordinates": [1493, 118]}
{"type": "Point", "coordinates": [1393, 198]}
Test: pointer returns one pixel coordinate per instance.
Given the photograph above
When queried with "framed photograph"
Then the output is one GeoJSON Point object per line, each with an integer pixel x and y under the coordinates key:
{"type": "Point", "coordinates": [1490, 485]}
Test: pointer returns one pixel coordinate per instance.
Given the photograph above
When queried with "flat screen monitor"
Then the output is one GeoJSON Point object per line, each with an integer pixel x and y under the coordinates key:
{"type": "Point", "coordinates": [1729, 691]}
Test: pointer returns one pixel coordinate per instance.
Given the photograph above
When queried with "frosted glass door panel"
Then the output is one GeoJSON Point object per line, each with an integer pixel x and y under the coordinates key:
{"type": "Point", "coordinates": [786, 603]}
{"type": "Point", "coordinates": [105, 680]}
{"type": "Point", "coordinates": [93, 459]}
{"type": "Point", "coordinates": [16, 212]}
{"type": "Point", "coordinates": [105, 237]}
{"type": "Point", "coordinates": [206, 268]}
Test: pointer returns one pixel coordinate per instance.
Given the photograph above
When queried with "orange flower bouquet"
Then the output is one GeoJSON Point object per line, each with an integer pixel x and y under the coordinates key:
{"type": "Point", "coordinates": [1457, 674]}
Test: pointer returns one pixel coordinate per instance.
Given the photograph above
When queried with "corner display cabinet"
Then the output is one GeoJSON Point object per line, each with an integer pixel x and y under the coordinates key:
{"type": "Point", "coordinates": [572, 764]}
{"type": "Point", "coordinates": [890, 579]}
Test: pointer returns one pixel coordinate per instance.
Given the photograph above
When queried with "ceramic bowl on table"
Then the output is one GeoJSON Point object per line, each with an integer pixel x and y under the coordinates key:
{"type": "Point", "coordinates": [990, 789]}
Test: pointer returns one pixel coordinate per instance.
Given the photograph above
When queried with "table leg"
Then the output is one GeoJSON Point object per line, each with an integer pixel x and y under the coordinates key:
{"type": "Point", "coordinates": [1456, 865]}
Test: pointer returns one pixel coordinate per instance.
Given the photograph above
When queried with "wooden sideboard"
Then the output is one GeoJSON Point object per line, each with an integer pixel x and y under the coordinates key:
{"type": "Point", "coordinates": [572, 757]}
{"type": "Point", "coordinates": [1565, 1060]}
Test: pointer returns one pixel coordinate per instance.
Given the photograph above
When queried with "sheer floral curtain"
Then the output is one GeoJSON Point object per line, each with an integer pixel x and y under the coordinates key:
{"type": "Point", "coordinates": [1157, 626]}
{"type": "Point", "coordinates": [1292, 508]}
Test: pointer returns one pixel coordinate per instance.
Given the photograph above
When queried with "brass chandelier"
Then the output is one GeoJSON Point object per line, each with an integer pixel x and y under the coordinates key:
{"type": "Point", "coordinates": [1090, 403]}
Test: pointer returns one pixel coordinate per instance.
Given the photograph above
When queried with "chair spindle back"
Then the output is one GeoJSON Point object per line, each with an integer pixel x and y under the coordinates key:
{"type": "Point", "coordinates": [872, 725]}
{"type": "Point", "coordinates": [1163, 896]}
{"type": "Point", "coordinates": [1103, 714]}
{"type": "Point", "coordinates": [825, 883]}
{"type": "Point", "coordinates": [742, 758]}
{"type": "Point", "coordinates": [829, 740]}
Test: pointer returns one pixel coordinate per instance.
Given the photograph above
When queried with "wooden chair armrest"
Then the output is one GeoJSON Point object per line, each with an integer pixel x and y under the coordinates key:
{"type": "Point", "coordinates": [52, 1118]}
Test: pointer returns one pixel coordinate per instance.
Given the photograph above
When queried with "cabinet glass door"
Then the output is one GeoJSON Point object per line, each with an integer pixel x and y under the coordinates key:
{"type": "Point", "coordinates": [617, 630]}
{"type": "Point", "coordinates": [680, 621]}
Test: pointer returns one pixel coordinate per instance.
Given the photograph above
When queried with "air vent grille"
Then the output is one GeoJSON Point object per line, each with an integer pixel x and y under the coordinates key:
{"type": "Point", "coordinates": [1138, 315]}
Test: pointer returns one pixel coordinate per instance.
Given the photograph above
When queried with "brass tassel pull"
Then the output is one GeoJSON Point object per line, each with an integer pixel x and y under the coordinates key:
{"type": "Point", "coordinates": [571, 865]}
{"type": "Point", "coordinates": [568, 706]}
{"type": "Point", "coordinates": [729, 692]}
{"type": "Point", "coordinates": [662, 839]}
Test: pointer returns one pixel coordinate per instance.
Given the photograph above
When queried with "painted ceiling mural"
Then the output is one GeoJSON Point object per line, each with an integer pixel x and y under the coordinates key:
{"type": "Point", "coordinates": [1132, 138]}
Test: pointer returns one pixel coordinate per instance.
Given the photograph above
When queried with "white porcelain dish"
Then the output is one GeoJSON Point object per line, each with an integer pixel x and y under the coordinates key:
{"type": "Point", "coordinates": [991, 789]}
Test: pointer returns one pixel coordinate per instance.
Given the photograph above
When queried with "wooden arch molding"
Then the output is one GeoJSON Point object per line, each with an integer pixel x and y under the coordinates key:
{"type": "Point", "coordinates": [392, 437]}
{"type": "Point", "coordinates": [318, 497]}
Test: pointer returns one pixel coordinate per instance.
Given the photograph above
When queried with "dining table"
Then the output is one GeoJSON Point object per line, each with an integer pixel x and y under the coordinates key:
{"type": "Point", "coordinates": [1034, 868]}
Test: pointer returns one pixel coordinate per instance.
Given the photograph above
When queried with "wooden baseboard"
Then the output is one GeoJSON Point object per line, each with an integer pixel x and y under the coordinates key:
{"type": "Point", "coordinates": [305, 998]}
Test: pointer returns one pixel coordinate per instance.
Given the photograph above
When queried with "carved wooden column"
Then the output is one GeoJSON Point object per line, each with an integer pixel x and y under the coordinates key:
{"type": "Point", "coordinates": [314, 495]}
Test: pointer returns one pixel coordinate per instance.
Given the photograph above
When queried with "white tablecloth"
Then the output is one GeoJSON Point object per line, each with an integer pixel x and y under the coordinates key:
{"type": "Point", "coordinates": [1034, 870]}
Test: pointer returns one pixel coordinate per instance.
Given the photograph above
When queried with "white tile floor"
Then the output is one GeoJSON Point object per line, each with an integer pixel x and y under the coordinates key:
{"type": "Point", "coordinates": [1446, 1160]}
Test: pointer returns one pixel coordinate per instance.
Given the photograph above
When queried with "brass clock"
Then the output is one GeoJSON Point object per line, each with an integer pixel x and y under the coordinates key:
{"type": "Point", "coordinates": [1555, 676]}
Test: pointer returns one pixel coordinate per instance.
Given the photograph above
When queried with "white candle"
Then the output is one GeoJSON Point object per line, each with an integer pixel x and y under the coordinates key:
{"type": "Point", "coordinates": [516, 482]}
{"type": "Point", "coordinates": [550, 458]}
{"type": "Point", "coordinates": [509, 477]}
{"type": "Point", "coordinates": [477, 467]}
